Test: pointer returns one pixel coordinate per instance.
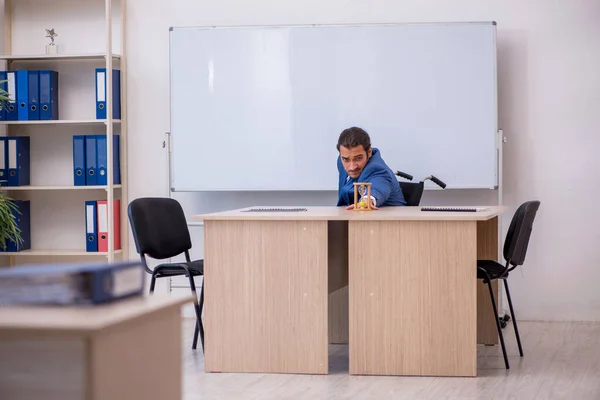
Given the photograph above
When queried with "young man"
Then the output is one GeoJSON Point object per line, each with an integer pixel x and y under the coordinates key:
{"type": "Point", "coordinates": [358, 162]}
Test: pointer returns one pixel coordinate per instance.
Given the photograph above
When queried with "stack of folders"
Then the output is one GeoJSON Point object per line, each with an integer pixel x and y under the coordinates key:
{"type": "Point", "coordinates": [101, 94]}
{"type": "Point", "coordinates": [14, 161]}
{"type": "Point", "coordinates": [90, 160]}
{"type": "Point", "coordinates": [70, 284]}
{"type": "Point", "coordinates": [22, 215]}
{"type": "Point", "coordinates": [33, 95]}
{"type": "Point", "coordinates": [96, 225]}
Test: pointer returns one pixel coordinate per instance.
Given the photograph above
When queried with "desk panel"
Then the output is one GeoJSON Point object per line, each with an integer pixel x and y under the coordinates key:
{"type": "Point", "coordinates": [266, 296]}
{"type": "Point", "coordinates": [413, 307]}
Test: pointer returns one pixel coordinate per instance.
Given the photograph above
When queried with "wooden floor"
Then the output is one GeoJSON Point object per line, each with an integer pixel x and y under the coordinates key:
{"type": "Point", "coordinates": [562, 361]}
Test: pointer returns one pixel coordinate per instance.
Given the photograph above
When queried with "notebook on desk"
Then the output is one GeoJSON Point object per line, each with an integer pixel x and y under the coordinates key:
{"type": "Point", "coordinates": [456, 209]}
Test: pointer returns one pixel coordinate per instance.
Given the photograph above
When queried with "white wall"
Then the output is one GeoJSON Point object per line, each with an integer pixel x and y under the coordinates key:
{"type": "Point", "coordinates": [549, 99]}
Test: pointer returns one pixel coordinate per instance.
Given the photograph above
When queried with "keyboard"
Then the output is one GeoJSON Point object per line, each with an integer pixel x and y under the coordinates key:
{"type": "Point", "coordinates": [455, 209]}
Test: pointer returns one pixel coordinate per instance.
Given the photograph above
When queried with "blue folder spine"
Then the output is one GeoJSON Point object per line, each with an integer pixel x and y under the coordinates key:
{"type": "Point", "coordinates": [101, 93]}
{"type": "Point", "coordinates": [116, 160]}
{"type": "Point", "coordinates": [116, 282]}
{"type": "Point", "coordinates": [49, 108]}
{"type": "Point", "coordinates": [102, 160]}
{"type": "Point", "coordinates": [3, 161]}
{"type": "Point", "coordinates": [18, 161]}
{"type": "Point", "coordinates": [79, 163]}
{"type": "Point", "coordinates": [34, 96]}
{"type": "Point", "coordinates": [12, 112]}
{"type": "Point", "coordinates": [91, 167]}
{"type": "Point", "coordinates": [91, 226]}
{"type": "Point", "coordinates": [23, 95]}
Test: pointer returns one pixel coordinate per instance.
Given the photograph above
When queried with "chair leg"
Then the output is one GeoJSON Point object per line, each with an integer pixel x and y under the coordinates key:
{"type": "Point", "coordinates": [198, 326]}
{"type": "Point", "coordinates": [512, 315]}
{"type": "Point", "coordinates": [153, 282]}
{"type": "Point", "coordinates": [493, 298]}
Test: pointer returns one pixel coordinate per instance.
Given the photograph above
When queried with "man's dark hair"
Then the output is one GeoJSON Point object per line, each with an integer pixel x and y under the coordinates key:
{"type": "Point", "coordinates": [353, 137]}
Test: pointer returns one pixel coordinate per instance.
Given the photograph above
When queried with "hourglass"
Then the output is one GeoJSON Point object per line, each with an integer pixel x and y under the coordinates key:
{"type": "Point", "coordinates": [364, 203]}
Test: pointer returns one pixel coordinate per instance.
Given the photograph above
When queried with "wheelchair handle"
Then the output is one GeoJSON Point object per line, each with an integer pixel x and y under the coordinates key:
{"type": "Point", "coordinates": [404, 175]}
{"type": "Point", "coordinates": [436, 181]}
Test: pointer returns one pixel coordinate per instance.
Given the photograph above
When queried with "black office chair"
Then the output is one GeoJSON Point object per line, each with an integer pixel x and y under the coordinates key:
{"type": "Point", "coordinates": [515, 249]}
{"type": "Point", "coordinates": [413, 191]}
{"type": "Point", "coordinates": [160, 231]}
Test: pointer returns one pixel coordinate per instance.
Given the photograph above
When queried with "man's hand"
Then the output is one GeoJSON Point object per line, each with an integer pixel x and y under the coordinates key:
{"type": "Point", "coordinates": [351, 207]}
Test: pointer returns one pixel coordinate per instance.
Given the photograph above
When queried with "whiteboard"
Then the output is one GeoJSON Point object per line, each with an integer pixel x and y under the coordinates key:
{"type": "Point", "coordinates": [261, 108]}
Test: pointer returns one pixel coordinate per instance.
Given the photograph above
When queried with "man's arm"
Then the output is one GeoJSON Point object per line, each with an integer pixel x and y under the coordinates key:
{"type": "Point", "coordinates": [380, 188]}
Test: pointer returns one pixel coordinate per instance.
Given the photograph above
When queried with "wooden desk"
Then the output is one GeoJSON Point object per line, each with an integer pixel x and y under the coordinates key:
{"type": "Point", "coordinates": [124, 350]}
{"type": "Point", "coordinates": [277, 290]}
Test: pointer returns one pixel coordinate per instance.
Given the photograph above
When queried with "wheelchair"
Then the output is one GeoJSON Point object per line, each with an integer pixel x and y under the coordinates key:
{"type": "Point", "coordinates": [413, 191]}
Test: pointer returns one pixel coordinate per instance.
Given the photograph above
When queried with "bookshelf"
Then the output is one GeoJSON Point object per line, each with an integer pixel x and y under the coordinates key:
{"type": "Point", "coordinates": [91, 35]}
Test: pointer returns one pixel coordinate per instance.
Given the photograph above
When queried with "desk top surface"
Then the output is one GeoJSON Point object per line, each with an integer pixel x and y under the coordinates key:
{"type": "Point", "coordinates": [77, 319]}
{"type": "Point", "coordinates": [341, 214]}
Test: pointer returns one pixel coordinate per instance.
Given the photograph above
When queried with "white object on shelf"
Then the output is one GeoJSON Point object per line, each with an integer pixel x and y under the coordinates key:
{"type": "Point", "coordinates": [51, 49]}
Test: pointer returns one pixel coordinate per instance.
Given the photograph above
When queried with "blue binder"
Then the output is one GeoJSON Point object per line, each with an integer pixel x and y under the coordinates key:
{"type": "Point", "coordinates": [71, 284]}
{"type": "Point", "coordinates": [18, 161]}
{"type": "Point", "coordinates": [102, 160]}
{"type": "Point", "coordinates": [3, 86]}
{"type": "Point", "coordinates": [91, 226]}
{"type": "Point", "coordinates": [3, 161]}
{"type": "Point", "coordinates": [91, 168]}
{"type": "Point", "coordinates": [34, 96]}
{"type": "Point", "coordinates": [79, 164]}
{"type": "Point", "coordinates": [23, 217]}
{"type": "Point", "coordinates": [23, 95]}
{"type": "Point", "coordinates": [101, 93]}
{"type": "Point", "coordinates": [12, 112]}
{"type": "Point", "coordinates": [48, 95]}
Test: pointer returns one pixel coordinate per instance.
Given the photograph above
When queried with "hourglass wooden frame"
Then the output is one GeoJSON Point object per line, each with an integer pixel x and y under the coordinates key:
{"type": "Point", "coordinates": [364, 204]}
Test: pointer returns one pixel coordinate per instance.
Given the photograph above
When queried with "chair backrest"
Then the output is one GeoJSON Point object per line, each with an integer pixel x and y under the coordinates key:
{"type": "Point", "coordinates": [159, 227]}
{"type": "Point", "coordinates": [519, 232]}
{"type": "Point", "coordinates": [412, 192]}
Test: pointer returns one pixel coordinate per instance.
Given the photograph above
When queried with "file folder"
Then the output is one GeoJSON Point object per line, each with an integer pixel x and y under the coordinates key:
{"type": "Point", "coordinates": [91, 177]}
{"type": "Point", "coordinates": [12, 112]}
{"type": "Point", "coordinates": [101, 93]}
{"type": "Point", "coordinates": [71, 284]}
{"type": "Point", "coordinates": [3, 86]}
{"type": "Point", "coordinates": [3, 161]}
{"type": "Point", "coordinates": [48, 95]}
{"type": "Point", "coordinates": [91, 226]}
{"type": "Point", "coordinates": [102, 220]}
{"type": "Point", "coordinates": [24, 82]}
{"type": "Point", "coordinates": [22, 216]}
{"type": "Point", "coordinates": [18, 161]}
{"type": "Point", "coordinates": [34, 96]}
{"type": "Point", "coordinates": [102, 160]}
{"type": "Point", "coordinates": [79, 163]}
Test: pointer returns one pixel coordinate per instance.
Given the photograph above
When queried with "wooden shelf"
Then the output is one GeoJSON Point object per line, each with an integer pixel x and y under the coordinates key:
{"type": "Point", "coordinates": [57, 57]}
{"type": "Point", "coordinates": [58, 187]}
{"type": "Point", "coordinates": [56, 253]}
{"type": "Point", "coordinates": [60, 122]}
{"type": "Point", "coordinates": [51, 154]}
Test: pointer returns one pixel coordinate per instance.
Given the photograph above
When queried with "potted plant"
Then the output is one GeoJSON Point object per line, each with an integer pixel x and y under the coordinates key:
{"type": "Point", "coordinates": [9, 229]}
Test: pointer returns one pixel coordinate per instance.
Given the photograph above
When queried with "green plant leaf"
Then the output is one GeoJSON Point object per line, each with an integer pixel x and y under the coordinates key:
{"type": "Point", "coordinates": [3, 96]}
{"type": "Point", "coordinates": [9, 229]}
